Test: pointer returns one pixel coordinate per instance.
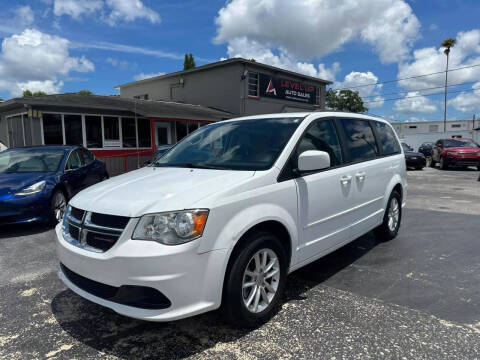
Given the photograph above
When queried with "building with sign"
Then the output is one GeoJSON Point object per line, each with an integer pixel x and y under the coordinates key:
{"type": "Point", "coordinates": [237, 86]}
{"type": "Point", "coordinates": [125, 130]}
{"type": "Point", "coordinates": [122, 132]}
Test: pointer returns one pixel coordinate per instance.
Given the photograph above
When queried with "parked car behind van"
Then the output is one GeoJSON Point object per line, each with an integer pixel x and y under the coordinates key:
{"type": "Point", "coordinates": [225, 215]}
{"type": "Point", "coordinates": [37, 182]}
{"type": "Point", "coordinates": [456, 153]}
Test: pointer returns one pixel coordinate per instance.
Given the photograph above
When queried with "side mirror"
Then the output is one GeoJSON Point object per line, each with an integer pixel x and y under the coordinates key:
{"type": "Point", "coordinates": [312, 160]}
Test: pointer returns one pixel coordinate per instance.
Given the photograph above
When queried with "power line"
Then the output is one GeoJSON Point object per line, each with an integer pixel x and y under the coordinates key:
{"type": "Point", "coordinates": [424, 89]}
{"type": "Point", "coordinates": [408, 78]}
{"type": "Point", "coordinates": [415, 96]}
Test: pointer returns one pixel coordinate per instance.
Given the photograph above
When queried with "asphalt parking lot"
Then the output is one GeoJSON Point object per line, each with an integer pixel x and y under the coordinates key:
{"type": "Point", "coordinates": [416, 297]}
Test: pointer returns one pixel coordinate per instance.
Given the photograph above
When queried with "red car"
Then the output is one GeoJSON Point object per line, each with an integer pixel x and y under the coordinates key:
{"type": "Point", "coordinates": [456, 152]}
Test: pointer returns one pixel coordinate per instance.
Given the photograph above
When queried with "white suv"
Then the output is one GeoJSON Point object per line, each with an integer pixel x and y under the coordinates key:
{"type": "Point", "coordinates": [226, 214]}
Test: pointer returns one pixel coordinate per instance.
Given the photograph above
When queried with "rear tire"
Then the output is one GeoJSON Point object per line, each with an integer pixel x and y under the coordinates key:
{"type": "Point", "coordinates": [255, 281]}
{"type": "Point", "coordinates": [392, 219]}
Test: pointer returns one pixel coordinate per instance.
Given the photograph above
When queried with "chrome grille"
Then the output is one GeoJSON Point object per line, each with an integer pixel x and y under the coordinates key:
{"type": "Point", "coordinates": [93, 231]}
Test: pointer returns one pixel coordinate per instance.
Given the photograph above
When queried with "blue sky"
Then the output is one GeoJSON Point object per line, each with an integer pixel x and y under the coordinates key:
{"type": "Point", "coordinates": [69, 45]}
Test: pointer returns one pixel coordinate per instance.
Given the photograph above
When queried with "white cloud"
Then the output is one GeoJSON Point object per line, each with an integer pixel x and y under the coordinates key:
{"type": "Point", "coordinates": [251, 49]}
{"type": "Point", "coordinates": [143, 76]}
{"type": "Point", "coordinates": [36, 59]}
{"type": "Point", "coordinates": [414, 103]}
{"type": "Point", "coordinates": [467, 102]}
{"type": "Point", "coordinates": [370, 94]}
{"type": "Point", "coordinates": [111, 11]}
{"type": "Point", "coordinates": [429, 60]}
{"type": "Point", "coordinates": [22, 17]}
{"type": "Point", "coordinates": [304, 29]}
{"type": "Point", "coordinates": [130, 10]}
{"type": "Point", "coordinates": [120, 64]}
{"type": "Point", "coordinates": [76, 8]}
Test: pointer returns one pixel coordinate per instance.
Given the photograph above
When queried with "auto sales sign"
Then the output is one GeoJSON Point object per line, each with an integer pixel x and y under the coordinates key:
{"type": "Point", "coordinates": [285, 89]}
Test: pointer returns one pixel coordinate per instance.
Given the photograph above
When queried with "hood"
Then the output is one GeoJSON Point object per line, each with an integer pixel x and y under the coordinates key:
{"type": "Point", "coordinates": [463, 149]}
{"type": "Point", "coordinates": [151, 189]}
{"type": "Point", "coordinates": [14, 182]}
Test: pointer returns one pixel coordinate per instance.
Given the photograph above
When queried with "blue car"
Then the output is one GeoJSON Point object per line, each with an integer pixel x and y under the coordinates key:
{"type": "Point", "coordinates": [37, 182]}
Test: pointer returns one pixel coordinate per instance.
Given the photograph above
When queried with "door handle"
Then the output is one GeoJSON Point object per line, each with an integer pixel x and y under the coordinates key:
{"type": "Point", "coordinates": [345, 180]}
{"type": "Point", "coordinates": [360, 175]}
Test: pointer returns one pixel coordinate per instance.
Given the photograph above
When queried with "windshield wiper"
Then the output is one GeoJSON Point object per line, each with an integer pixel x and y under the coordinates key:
{"type": "Point", "coordinates": [194, 166]}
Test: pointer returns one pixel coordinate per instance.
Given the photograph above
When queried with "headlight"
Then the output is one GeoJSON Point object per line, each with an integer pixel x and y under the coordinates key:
{"type": "Point", "coordinates": [35, 188]}
{"type": "Point", "coordinates": [171, 228]}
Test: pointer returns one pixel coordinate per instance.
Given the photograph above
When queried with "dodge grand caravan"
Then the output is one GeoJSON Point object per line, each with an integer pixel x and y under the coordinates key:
{"type": "Point", "coordinates": [226, 214]}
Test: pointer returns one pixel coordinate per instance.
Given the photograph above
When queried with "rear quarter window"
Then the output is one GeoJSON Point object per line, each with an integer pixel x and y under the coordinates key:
{"type": "Point", "coordinates": [359, 140]}
{"type": "Point", "coordinates": [387, 140]}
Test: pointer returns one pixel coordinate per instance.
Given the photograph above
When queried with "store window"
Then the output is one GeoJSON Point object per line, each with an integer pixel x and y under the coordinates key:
{"type": "Point", "coordinates": [253, 83]}
{"type": "Point", "coordinates": [129, 134]}
{"type": "Point", "coordinates": [73, 129]}
{"type": "Point", "coordinates": [144, 133]}
{"type": "Point", "coordinates": [111, 131]}
{"type": "Point", "coordinates": [52, 129]}
{"type": "Point", "coordinates": [93, 129]}
{"type": "Point", "coordinates": [192, 126]}
{"type": "Point", "coordinates": [181, 129]}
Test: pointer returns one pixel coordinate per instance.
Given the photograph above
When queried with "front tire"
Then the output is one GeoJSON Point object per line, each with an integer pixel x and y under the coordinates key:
{"type": "Point", "coordinates": [58, 204]}
{"type": "Point", "coordinates": [255, 282]}
{"type": "Point", "coordinates": [392, 219]}
{"type": "Point", "coordinates": [443, 164]}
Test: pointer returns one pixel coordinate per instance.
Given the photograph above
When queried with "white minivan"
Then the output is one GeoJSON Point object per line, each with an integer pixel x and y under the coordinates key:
{"type": "Point", "coordinates": [227, 213]}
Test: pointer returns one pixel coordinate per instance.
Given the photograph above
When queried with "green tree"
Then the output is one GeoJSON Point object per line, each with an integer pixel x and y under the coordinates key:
{"type": "Point", "coordinates": [345, 100]}
{"type": "Point", "coordinates": [1, 99]}
{"type": "Point", "coordinates": [188, 62]}
{"type": "Point", "coordinates": [28, 93]}
{"type": "Point", "coordinates": [85, 92]}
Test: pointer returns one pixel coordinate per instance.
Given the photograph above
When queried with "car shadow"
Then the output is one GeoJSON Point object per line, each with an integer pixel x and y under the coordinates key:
{"type": "Point", "coordinates": [15, 230]}
{"type": "Point", "coordinates": [105, 331]}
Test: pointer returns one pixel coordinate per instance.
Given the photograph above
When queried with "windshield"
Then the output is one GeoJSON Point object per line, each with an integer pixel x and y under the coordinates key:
{"type": "Point", "coordinates": [29, 160]}
{"type": "Point", "coordinates": [459, 143]}
{"type": "Point", "coordinates": [240, 145]}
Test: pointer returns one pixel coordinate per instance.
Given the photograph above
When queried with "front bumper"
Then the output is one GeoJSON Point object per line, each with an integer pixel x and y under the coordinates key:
{"type": "Point", "coordinates": [462, 160]}
{"type": "Point", "coordinates": [24, 209]}
{"type": "Point", "coordinates": [191, 282]}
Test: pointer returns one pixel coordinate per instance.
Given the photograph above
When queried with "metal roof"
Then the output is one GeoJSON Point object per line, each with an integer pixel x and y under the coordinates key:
{"type": "Point", "coordinates": [147, 108]}
{"type": "Point", "coordinates": [223, 63]}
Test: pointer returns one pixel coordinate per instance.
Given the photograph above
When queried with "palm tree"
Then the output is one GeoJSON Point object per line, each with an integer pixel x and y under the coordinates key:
{"type": "Point", "coordinates": [447, 44]}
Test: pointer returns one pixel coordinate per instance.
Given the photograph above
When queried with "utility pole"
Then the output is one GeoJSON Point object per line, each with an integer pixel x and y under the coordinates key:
{"type": "Point", "coordinates": [447, 52]}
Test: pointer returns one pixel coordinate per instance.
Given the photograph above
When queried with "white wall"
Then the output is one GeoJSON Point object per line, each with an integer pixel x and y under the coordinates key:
{"type": "Point", "coordinates": [415, 140]}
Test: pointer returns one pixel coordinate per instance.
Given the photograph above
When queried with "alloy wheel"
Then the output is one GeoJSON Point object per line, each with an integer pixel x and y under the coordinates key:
{"type": "Point", "coordinates": [260, 280]}
{"type": "Point", "coordinates": [393, 214]}
{"type": "Point", "coordinates": [59, 205]}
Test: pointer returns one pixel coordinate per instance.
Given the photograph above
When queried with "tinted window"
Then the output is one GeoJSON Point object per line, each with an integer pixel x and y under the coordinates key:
{"type": "Point", "coordinates": [386, 138]}
{"type": "Point", "coordinates": [93, 125]}
{"type": "Point", "coordinates": [237, 145]}
{"type": "Point", "coordinates": [73, 129]}
{"type": "Point", "coordinates": [144, 133]}
{"type": "Point", "coordinates": [323, 137]}
{"type": "Point", "coordinates": [52, 129]}
{"type": "Point", "coordinates": [86, 157]}
{"type": "Point", "coordinates": [110, 125]}
{"type": "Point", "coordinates": [129, 135]}
{"type": "Point", "coordinates": [181, 129]}
{"type": "Point", "coordinates": [360, 141]}
{"type": "Point", "coordinates": [73, 161]}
